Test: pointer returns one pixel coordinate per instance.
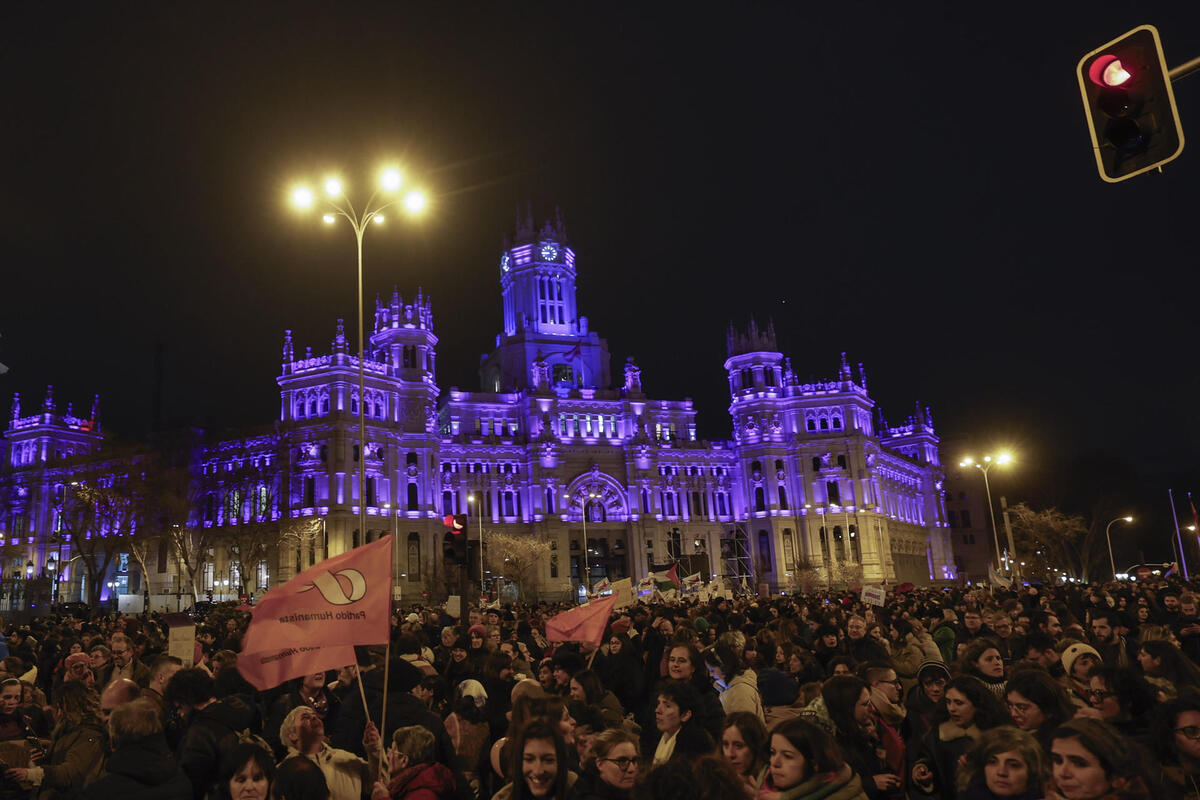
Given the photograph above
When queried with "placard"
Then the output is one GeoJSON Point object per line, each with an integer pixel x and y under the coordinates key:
{"type": "Point", "coordinates": [181, 643]}
{"type": "Point", "coordinates": [454, 606]}
{"type": "Point", "coordinates": [874, 595]}
{"type": "Point", "coordinates": [623, 589]}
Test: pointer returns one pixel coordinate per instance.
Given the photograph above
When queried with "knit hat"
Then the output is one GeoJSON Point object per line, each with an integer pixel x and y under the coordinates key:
{"type": "Point", "coordinates": [478, 630]}
{"type": "Point", "coordinates": [1072, 653]}
{"type": "Point", "coordinates": [412, 618]}
{"type": "Point", "coordinates": [474, 690]}
{"type": "Point", "coordinates": [404, 675]}
{"type": "Point", "coordinates": [701, 624]}
{"type": "Point", "coordinates": [76, 658]}
{"type": "Point", "coordinates": [932, 669]}
{"type": "Point", "coordinates": [568, 661]}
{"type": "Point", "coordinates": [461, 643]}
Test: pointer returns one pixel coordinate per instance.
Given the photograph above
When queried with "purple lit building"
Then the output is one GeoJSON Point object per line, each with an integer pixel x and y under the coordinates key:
{"type": "Point", "coordinates": [813, 482]}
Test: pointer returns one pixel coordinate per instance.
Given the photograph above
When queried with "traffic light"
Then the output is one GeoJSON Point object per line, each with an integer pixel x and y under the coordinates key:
{"type": "Point", "coordinates": [454, 540]}
{"type": "Point", "coordinates": [1129, 104]}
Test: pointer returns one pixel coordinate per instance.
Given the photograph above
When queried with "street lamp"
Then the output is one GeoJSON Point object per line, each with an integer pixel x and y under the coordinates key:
{"type": "Point", "coordinates": [336, 203]}
{"type": "Point", "coordinates": [28, 569]}
{"type": "Point", "coordinates": [1108, 538]}
{"type": "Point", "coordinates": [1003, 459]}
{"type": "Point", "coordinates": [387, 507]}
{"type": "Point", "coordinates": [479, 509]}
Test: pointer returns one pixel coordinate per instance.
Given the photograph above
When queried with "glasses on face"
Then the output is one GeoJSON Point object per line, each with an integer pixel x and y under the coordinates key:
{"type": "Point", "coordinates": [623, 763]}
{"type": "Point", "coordinates": [934, 682]}
{"type": "Point", "coordinates": [1020, 708]}
{"type": "Point", "coordinates": [893, 682]}
{"type": "Point", "coordinates": [1099, 694]}
{"type": "Point", "coordinates": [1189, 731]}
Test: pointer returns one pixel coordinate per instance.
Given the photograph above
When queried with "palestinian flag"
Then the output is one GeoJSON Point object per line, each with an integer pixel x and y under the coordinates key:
{"type": "Point", "coordinates": [667, 580]}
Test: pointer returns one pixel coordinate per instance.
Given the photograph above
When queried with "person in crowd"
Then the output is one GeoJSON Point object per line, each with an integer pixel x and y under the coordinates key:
{"type": "Point", "coordinates": [125, 663]}
{"type": "Point", "coordinates": [211, 725]}
{"type": "Point", "coordinates": [1091, 760]}
{"type": "Point", "coordinates": [587, 687]}
{"type": "Point", "coordinates": [888, 715]}
{"type": "Point", "coordinates": [303, 733]}
{"type": "Point", "coordinates": [685, 663]}
{"type": "Point", "coordinates": [468, 728]}
{"type": "Point", "coordinates": [924, 699]}
{"type": "Point", "coordinates": [140, 766]}
{"type": "Point", "coordinates": [459, 667]}
{"type": "Point", "coordinates": [299, 779]}
{"type": "Point", "coordinates": [565, 663]}
{"type": "Point", "coordinates": [973, 626]}
{"type": "Point", "coordinates": [1112, 647]}
{"type": "Point", "coordinates": [246, 773]}
{"type": "Point", "coordinates": [621, 668]}
{"type": "Point", "coordinates": [848, 702]}
{"type": "Point", "coordinates": [707, 778]}
{"type": "Point", "coordinates": [1038, 703]}
{"type": "Point", "coordinates": [1077, 661]}
{"type": "Point", "coordinates": [611, 769]}
{"type": "Point", "coordinates": [1039, 649]}
{"type": "Point", "coordinates": [588, 722]}
{"type": "Point", "coordinates": [1122, 698]}
{"type": "Point", "coordinates": [681, 736]}
{"type": "Point", "coordinates": [828, 647]}
{"type": "Point", "coordinates": [1005, 764]}
{"type": "Point", "coordinates": [859, 645]}
{"type": "Point", "coordinates": [744, 746]}
{"type": "Point", "coordinates": [804, 763]}
{"type": "Point", "coordinates": [1165, 666]}
{"type": "Point", "coordinates": [912, 646]}
{"type": "Point", "coordinates": [538, 764]}
{"type": "Point", "coordinates": [75, 755]}
{"type": "Point", "coordinates": [738, 685]}
{"type": "Point", "coordinates": [970, 708]}
{"type": "Point", "coordinates": [1175, 741]}
{"type": "Point", "coordinates": [414, 770]}
{"type": "Point", "coordinates": [982, 659]}
{"type": "Point", "coordinates": [309, 690]}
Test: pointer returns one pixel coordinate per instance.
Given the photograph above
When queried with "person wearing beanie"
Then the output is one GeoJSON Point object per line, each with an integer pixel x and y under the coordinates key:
{"type": "Point", "coordinates": [460, 667]}
{"type": "Point", "coordinates": [1078, 660]}
{"type": "Point", "coordinates": [923, 699]}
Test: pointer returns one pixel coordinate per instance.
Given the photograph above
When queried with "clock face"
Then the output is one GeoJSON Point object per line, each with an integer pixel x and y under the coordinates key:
{"type": "Point", "coordinates": [549, 253]}
{"type": "Point", "coordinates": [505, 261]}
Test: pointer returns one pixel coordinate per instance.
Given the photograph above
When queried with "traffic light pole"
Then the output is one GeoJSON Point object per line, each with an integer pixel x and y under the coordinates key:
{"type": "Point", "coordinates": [1184, 69]}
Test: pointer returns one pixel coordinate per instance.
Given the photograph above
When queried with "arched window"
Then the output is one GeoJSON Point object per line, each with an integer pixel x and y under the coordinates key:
{"type": "Point", "coordinates": [760, 499]}
{"type": "Point", "coordinates": [756, 467]}
{"type": "Point", "coordinates": [779, 465]}
{"type": "Point", "coordinates": [839, 543]}
{"type": "Point", "coordinates": [764, 552]}
{"type": "Point", "coordinates": [324, 405]}
{"type": "Point", "coordinates": [837, 423]}
{"type": "Point", "coordinates": [783, 503]}
{"type": "Point", "coordinates": [824, 537]}
{"type": "Point", "coordinates": [412, 497]}
{"type": "Point", "coordinates": [816, 462]}
{"type": "Point", "coordinates": [841, 461]}
{"type": "Point", "coordinates": [811, 424]}
{"type": "Point", "coordinates": [409, 355]}
{"type": "Point", "coordinates": [410, 459]}
{"type": "Point", "coordinates": [769, 376]}
{"type": "Point", "coordinates": [312, 408]}
{"type": "Point", "coordinates": [824, 423]}
{"type": "Point", "coordinates": [855, 546]}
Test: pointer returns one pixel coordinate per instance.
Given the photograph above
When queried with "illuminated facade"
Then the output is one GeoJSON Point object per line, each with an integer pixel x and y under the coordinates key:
{"type": "Point", "coordinates": [813, 479]}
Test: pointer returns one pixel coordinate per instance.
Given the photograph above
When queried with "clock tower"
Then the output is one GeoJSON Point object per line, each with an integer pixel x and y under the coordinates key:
{"type": "Point", "coordinates": [541, 317]}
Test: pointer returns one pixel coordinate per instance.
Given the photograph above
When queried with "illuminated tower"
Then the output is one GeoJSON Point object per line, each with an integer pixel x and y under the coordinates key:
{"type": "Point", "coordinates": [541, 316]}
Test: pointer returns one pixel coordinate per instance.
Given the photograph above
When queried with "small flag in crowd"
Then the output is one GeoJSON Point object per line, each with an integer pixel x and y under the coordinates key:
{"type": "Point", "coordinates": [691, 581]}
{"type": "Point", "coordinates": [997, 579]}
{"type": "Point", "coordinates": [667, 580]}
{"type": "Point", "coordinates": [312, 622]}
{"type": "Point", "coordinates": [583, 624]}
{"type": "Point", "coordinates": [604, 585]}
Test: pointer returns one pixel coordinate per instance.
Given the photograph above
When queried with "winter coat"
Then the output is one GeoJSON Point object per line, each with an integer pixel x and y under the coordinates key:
{"type": "Point", "coordinates": [422, 782]}
{"type": "Point", "coordinates": [742, 695]}
{"type": "Point", "coordinates": [940, 750]}
{"type": "Point", "coordinates": [75, 759]}
{"type": "Point", "coordinates": [212, 732]}
{"type": "Point", "coordinates": [910, 653]}
{"type": "Point", "coordinates": [611, 709]}
{"type": "Point", "coordinates": [776, 687]}
{"type": "Point", "coordinates": [506, 790]}
{"type": "Point", "coordinates": [592, 787]}
{"type": "Point", "coordinates": [142, 769]}
{"type": "Point", "coordinates": [945, 637]}
{"type": "Point", "coordinates": [843, 785]}
{"type": "Point", "coordinates": [345, 773]}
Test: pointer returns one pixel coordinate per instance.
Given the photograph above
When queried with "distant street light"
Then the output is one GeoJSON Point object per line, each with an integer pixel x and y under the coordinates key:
{"type": "Point", "coordinates": [1003, 459]}
{"type": "Point", "coordinates": [338, 204]}
{"type": "Point", "coordinates": [1108, 538]}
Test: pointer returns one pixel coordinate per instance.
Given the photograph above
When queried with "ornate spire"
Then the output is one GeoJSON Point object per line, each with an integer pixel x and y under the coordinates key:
{"type": "Point", "coordinates": [633, 377]}
{"type": "Point", "coordinates": [339, 338]}
{"type": "Point", "coordinates": [16, 405]}
{"type": "Point", "coordinates": [289, 353]}
{"type": "Point", "coordinates": [753, 341]}
{"type": "Point", "coordinates": [48, 401]}
{"type": "Point", "coordinates": [862, 376]}
{"type": "Point", "coordinates": [844, 369]}
{"type": "Point", "coordinates": [95, 412]}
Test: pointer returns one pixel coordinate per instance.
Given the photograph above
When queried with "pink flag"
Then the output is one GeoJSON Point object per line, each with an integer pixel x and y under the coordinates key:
{"type": "Point", "coordinates": [583, 624]}
{"type": "Point", "coordinates": [313, 621]}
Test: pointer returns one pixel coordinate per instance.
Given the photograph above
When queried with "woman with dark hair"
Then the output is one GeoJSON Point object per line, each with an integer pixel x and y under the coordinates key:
{"type": "Point", "coordinates": [621, 669]}
{"type": "Point", "coordinates": [1090, 760]}
{"type": "Point", "coordinates": [1005, 764]}
{"type": "Point", "coordinates": [848, 701]}
{"type": "Point", "coordinates": [612, 767]}
{"type": "Point", "coordinates": [685, 663]}
{"type": "Point", "coordinates": [982, 659]}
{"type": "Point", "coordinates": [1122, 698]}
{"type": "Point", "coordinates": [827, 645]}
{"type": "Point", "coordinates": [924, 699]}
{"type": "Point", "coordinates": [76, 752]}
{"type": "Point", "coordinates": [970, 708]}
{"type": "Point", "coordinates": [586, 687]}
{"type": "Point", "coordinates": [538, 765]}
{"type": "Point", "coordinates": [299, 779]}
{"type": "Point", "coordinates": [738, 685]}
{"type": "Point", "coordinates": [1038, 703]}
{"type": "Point", "coordinates": [744, 746]}
{"type": "Point", "coordinates": [1175, 739]}
{"type": "Point", "coordinates": [680, 735]}
{"type": "Point", "coordinates": [246, 772]}
{"type": "Point", "coordinates": [804, 762]}
{"type": "Point", "coordinates": [1167, 668]}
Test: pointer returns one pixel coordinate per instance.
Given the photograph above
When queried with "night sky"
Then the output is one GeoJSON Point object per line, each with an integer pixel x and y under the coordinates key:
{"type": "Point", "coordinates": [909, 183]}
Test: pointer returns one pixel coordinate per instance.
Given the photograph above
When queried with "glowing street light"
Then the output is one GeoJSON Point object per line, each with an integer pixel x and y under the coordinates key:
{"type": "Point", "coordinates": [1108, 538]}
{"type": "Point", "coordinates": [337, 204]}
{"type": "Point", "coordinates": [1003, 459]}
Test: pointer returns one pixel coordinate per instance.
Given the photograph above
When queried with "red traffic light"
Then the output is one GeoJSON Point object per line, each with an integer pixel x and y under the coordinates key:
{"type": "Point", "coordinates": [1107, 70]}
{"type": "Point", "coordinates": [454, 523]}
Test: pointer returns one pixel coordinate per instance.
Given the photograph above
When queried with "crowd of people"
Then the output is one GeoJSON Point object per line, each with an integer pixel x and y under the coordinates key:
{"type": "Point", "coordinates": [1062, 693]}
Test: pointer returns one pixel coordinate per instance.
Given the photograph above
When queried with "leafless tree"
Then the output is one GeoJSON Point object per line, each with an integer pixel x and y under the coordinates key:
{"type": "Point", "coordinates": [100, 513]}
{"type": "Point", "coordinates": [1050, 539]}
{"type": "Point", "coordinates": [516, 557]}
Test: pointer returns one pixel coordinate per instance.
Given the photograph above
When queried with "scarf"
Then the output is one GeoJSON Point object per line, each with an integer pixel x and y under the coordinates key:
{"type": "Point", "coordinates": [891, 713]}
{"type": "Point", "coordinates": [948, 732]}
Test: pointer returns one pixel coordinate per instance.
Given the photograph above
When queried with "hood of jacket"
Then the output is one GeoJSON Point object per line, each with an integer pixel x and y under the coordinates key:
{"type": "Point", "coordinates": [436, 778]}
{"type": "Point", "coordinates": [146, 760]}
{"type": "Point", "coordinates": [232, 712]}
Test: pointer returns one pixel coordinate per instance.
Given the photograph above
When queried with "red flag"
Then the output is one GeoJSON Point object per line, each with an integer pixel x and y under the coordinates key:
{"type": "Point", "coordinates": [313, 621]}
{"type": "Point", "coordinates": [583, 624]}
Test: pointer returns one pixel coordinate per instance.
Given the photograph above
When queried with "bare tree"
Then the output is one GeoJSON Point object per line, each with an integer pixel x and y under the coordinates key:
{"type": "Point", "coordinates": [805, 577]}
{"type": "Point", "coordinates": [515, 558]}
{"type": "Point", "coordinates": [100, 514]}
{"type": "Point", "coordinates": [1050, 539]}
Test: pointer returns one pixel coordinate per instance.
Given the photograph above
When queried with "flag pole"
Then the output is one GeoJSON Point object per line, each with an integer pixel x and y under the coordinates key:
{"type": "Point", "coordinates": [1178, 535]}
{"type": "Point", "coordinates": [387, 651]}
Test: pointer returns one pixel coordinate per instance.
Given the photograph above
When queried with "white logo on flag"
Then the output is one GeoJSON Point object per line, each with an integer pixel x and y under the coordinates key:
{"type": "Point", "coordinates": [331, 588]}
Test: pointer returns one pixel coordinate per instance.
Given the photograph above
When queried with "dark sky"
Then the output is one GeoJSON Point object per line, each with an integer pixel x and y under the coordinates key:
{"type": "Point", "coordinates": [910, 183]}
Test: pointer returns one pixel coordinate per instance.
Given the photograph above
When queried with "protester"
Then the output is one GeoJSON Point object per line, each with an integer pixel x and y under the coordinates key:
{"type": "Point", "coordinates": [415, 774]}
{"type": "Point", "coordinates": [611, 769]}
{"type": "Point", "coordinates": [969, 709]}
{"type": "Point", "coordinates": [805, 764]}
{"type": "Point", "coordinates": [1090, 760]}
{"type": "Point", "coordinates": [1005, 764]}
{"type": "Point", "coordinates": [299, 779]}
{"type": "Point", "coordinates": [538, 765]}
{"type": "Point", "coordinates": [246, 772]}
{"type": "Point", "coordinates": [75, 755]}
{"type": "Point", "coordinates": [1038, 703]}
{"type": "Point", "coordinates": [682, 737]}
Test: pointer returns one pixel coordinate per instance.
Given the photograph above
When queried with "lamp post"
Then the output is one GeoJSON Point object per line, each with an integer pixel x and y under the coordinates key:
{"type": "Point", "coordinates": [988, 462]}
{"type": "Point", "coordinates": [337, 204]}
{"type": "Point", "coordinates": [52, 568]}
{"type": "Point", "coordinates": [387, 507]}
{"type": "Point", "coordinates": [1108, 538]}
{"type": "Point", "coordinates": [587, 576]}
{"type": "Point", "coordinates": [471, 503]}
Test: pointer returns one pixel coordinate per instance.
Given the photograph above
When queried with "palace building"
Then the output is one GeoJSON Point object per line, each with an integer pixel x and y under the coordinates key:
{"type": "Point", "coordinates": [813, 486]}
